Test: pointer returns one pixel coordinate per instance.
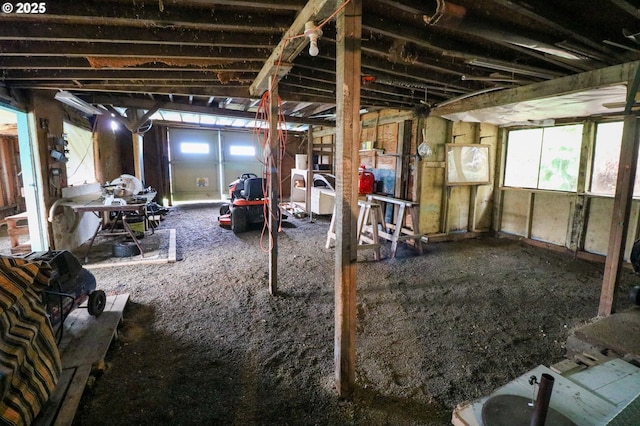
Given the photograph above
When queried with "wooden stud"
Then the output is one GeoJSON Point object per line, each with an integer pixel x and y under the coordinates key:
{"type": "Point", "coordinates": [620, 217]}
{"type": "Point", "coordinates": [348, 58]}
{"type": "Point", "coordinates": [274, 185]}
{"type": "Point", "coordinates": [307, 195]}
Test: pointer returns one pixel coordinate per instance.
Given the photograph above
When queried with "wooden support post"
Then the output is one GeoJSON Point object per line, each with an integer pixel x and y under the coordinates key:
{"type": "Point", "coordinates": [620, 217]}
{"type": "Point", "coordinates": [309, 183]}
{"type": "Point", "coordinates": [138, 158]}
{"type": "Point", "coordinates": [578, 220]}
{"type": "Point", "coordinates": [530, 207]}
{"type": "Point", "coordinates": [403, 164]}
{"type": "Point", "coordinates": [348, 59]}
{"type": "Point", "coordinates": [274, 186]}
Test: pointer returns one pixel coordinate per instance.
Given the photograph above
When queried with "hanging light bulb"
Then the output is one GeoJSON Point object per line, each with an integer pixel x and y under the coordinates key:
{"type": "Point", "coordinates": [314, 33]}
{"type": "Point", "coordinates": [313, 47]}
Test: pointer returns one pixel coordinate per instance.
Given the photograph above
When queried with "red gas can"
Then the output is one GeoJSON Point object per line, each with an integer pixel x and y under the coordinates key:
{"type": "Point", "coordinates": [366, 181]}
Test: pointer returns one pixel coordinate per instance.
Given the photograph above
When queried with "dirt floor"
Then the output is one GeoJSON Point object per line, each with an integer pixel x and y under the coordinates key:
{"type": "Point", "coordinates": [203, 342]}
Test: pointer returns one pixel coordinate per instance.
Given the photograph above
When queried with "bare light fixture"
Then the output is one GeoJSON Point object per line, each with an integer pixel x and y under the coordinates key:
{"type": "Point", "coordinates": [314, 33]}
{"type": "Point", "coordinates": [77, 103]}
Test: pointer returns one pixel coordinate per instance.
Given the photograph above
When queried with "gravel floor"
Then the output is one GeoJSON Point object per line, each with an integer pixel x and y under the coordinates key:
{"type": "Point", "coordinates": [203, 342]}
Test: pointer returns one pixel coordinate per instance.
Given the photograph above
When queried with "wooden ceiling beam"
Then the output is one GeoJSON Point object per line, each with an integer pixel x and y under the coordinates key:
{"type": "Point", "coordinates": [412, 75]}
{"type": "Point", "coordinates": [137, 14]}
{"type": "Point", "coordinates": [367, 97]}
{"type": "Point", "coordinates": [563, 27]}
{"type": "Point", "coordinates": [158, 89]}
{"type": "Point", "coordinates": [618, 74]}
{"type": "Point", "coordinates": [151, 51]}
{"type": "Point", "coordinates": [327, 78]}
{"type": "Point", "coordinates": [449, 47]}
{"type": "Point", "coordinates": [627, 7]}
{"type": "Point", "coordinates": [62, 64]}
{"type": "Point", "coordinates": [126, 102]}
{"type": "Point", "coordinates": [129, 74]}
{"type": "Point", "coordinates": [289, 47]}
{"type": "Point", "coordinates": [291, 5]}
{"type": "Point", "coordinates": [56, 32]}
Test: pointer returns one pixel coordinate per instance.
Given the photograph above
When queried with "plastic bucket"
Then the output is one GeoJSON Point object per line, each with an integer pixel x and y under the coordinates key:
{"type": "Point", "coordinates": [136, 223]}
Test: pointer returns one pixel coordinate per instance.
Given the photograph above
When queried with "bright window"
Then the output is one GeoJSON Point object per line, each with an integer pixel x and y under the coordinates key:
{"type": "Point", "coordinates": [194, 148]}
{"type": "Point", "coordinates": [80, 164]}
{"type": "Point", "coordinates": [544, 158]}
{"type": "Point", "coordinates": [242, 150]}
{"type": "Point", "coordinates": [606, 156]}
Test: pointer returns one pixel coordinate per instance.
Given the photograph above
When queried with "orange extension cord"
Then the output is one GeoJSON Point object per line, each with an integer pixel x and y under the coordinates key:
{"type": "Point", "coordinates": [261, 132]}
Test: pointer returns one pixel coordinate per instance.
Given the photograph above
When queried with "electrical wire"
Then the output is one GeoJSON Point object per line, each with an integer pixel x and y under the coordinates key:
{"type": "Point", "coordinates": [265, 139]}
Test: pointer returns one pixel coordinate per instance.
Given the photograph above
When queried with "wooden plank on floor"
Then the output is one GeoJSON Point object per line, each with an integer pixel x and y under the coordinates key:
{"type": "Point", "coordinates": [86, 339]}
{"type": "Point", "coordinates": [172, 246]}
{"type": "Point", "coordinates": [567, 366]}
{"type": "Point", "coordinates": [617, 381]}
{"type": "Point", "coordinates": [85, 342]}
{"type": "Point", "coordinates": [50, 411]}
{"type": "Point", "coordinates": [74, 394]}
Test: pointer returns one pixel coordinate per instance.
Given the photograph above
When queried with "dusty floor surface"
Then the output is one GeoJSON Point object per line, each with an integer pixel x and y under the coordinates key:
{"type": "Point", "coordinates": [203, 342]}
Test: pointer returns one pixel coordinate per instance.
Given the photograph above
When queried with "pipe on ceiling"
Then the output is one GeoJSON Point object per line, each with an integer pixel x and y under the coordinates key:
{"type": "Point", "coordinates": [454, 17]}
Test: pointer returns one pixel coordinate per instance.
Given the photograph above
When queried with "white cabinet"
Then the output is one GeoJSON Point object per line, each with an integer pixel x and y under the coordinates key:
{"type": "Point", "coordinates": [299, 183]}
{"type": "Point", "coordinates": [322, 200]}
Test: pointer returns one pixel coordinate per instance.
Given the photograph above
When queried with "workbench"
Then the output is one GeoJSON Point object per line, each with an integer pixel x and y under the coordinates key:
{"type": "Point", "coordinates": [18, 225]}
{"type": "Point", "coordinates": [101, 210]}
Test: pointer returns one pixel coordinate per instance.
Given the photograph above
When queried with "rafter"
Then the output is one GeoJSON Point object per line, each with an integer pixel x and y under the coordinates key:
{"type": "Point", "coordinates": [289, 47]}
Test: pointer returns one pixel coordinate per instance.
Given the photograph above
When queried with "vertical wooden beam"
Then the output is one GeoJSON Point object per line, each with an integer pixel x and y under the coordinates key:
{"type": "Point", "coordinates": [578, 225]}
{"type": "Point", "coordinates": [307, 197]}
{"type": "Point", "coordinates": [531, 205]}
{"type": "Point", "coordinates": [138, 158]}
{"type": "Point", "coordinates": [5, 167]}
{"type": "Point", "coordinates": [274, 188]}
{"type": "Point", "coordinates": [498, 194]}
{"type": "Point", "coordinates": [620, 217]}
{"type": "Point", "coordinates": [473, 189]}
{"type": "Point", "coordinates": [348, 57]}
{"type": "Point", "coordinates": [402, 164]}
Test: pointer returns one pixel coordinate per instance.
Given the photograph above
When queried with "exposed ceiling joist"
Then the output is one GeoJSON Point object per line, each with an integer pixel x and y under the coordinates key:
{"type": "Point", "coordinates": [143, 104]}
{"type": "Point", "coordinates": [291, 45]}
{"type": "Point", "coordinates": [617, 74]}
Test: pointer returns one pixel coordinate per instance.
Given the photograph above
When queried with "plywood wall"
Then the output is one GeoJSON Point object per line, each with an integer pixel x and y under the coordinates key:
{"type": "Point", "coordinates": [455, 209]}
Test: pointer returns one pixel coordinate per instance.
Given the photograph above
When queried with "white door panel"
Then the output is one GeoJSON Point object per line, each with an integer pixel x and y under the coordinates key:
{"type": "Point", "coordinates": [194, 165]}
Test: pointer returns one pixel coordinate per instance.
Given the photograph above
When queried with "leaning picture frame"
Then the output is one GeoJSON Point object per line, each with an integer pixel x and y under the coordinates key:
{"type": "Point", "coordinates": [467, 164]}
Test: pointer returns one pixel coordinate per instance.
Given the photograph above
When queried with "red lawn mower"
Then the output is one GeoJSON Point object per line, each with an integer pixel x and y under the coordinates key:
{"type": "Point", "coordinates": [248, 204]}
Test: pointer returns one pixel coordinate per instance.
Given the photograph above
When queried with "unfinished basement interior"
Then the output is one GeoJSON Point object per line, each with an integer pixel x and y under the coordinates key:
{"type": "Point", "coordinates": [320, 212]}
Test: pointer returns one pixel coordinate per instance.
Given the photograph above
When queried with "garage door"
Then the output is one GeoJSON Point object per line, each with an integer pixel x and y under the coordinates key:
{"type": "Point", "coordinates": [240, 154]}
{"type": "Point", "coordinates": [195, 165]}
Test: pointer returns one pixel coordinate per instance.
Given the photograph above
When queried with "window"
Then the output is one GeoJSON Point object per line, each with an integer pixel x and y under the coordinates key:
{"type": "Point", "coordinates": [194, 148]}
{"type": "Point", "coordinates": [80, 164]}
{"type": "Point", "coordinates": [606, 156]}
{"type": "Point", "coordinates": [546, 158]}
{"type": "Point", "coordinates": [242, 150]}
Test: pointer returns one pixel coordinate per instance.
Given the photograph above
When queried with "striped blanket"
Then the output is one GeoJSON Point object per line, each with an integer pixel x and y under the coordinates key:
{"type": "Point", "coordinates": [29, 359]}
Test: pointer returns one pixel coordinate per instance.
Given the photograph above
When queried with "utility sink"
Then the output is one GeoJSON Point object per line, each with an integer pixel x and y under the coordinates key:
{"type": "Point", "coordinates": [514, 410]}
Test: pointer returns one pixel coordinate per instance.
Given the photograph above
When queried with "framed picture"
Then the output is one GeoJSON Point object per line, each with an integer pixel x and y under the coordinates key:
{"type": "Point", "coordinates": [467, 164]}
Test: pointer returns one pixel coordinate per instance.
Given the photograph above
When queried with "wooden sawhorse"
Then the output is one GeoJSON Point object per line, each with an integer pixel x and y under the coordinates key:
{"type": "Point", "coordinates": [400, 231]}
{"type": "Point", "coordinates": [369, 217]}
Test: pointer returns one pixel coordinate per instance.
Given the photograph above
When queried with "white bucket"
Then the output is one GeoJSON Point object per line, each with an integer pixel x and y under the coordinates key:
{"type": "Point", "coordinates": [301, 161]}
